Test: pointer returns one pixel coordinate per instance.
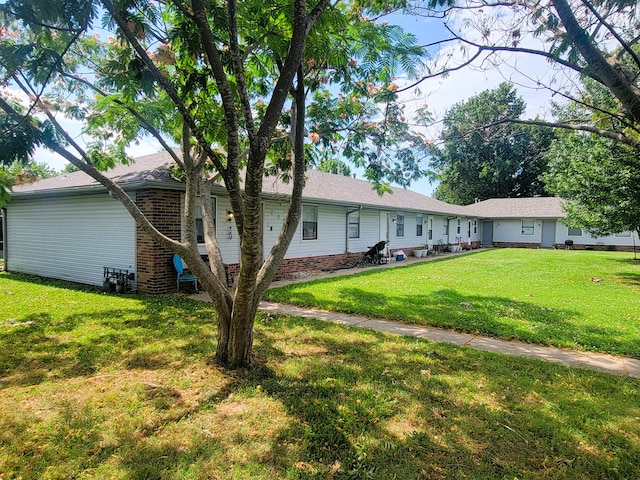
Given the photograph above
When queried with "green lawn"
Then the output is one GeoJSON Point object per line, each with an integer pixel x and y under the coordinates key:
{"type": "Point", "coordinates": [121, 387]}
{"type": "Point", "coordinates": [577, 299]}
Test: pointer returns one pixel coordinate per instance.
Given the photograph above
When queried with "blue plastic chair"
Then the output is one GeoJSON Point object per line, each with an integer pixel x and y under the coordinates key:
{"type": "Point", "coordinates": [183, 277]}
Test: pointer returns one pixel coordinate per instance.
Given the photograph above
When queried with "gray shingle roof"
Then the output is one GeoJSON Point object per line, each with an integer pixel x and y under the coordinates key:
{"type": "Point", "coordinates": [152, 170]}
{"type": "Point", "coordinates": [146, 170]}
{"type": "Point", "coordinates": [535, 207]}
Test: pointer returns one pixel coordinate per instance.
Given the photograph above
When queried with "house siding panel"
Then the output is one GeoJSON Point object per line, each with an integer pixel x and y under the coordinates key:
{"type": "Point", "coordinates": [70, 238]}
{"type": "Point", "coordinates": [331, 234]}
{"type": "Point", "coordinates": [510, 231]}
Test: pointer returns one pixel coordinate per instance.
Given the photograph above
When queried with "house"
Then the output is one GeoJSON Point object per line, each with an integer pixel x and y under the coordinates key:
{"type": "Point", "coordinates": [68, 227]}
{"type": "Point", "coordinates": [538, 223]}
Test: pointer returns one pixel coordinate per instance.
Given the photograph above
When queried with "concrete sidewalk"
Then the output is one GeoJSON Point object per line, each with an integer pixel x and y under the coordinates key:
{"type": "Point", "coordinates": [594, 361]}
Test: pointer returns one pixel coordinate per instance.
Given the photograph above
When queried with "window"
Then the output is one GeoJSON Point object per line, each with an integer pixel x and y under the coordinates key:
{"type": "Point", "coordinates": [419, 222]}
{"type": "Point", "coordinates": [445, 228]}
{"type": "Point", "coordinates": [400, 225]}
{"type": "Point", "coordinates": [574, 232]}
{"type": "Point", "coordinates": [458, 227]}
{"type": "Point", "coordinates": [354, 224]}
{"type": "Point", "coordinates": [469, 229]}
{"type": "Point", "coordinates": [199, 224]}
{"type": "Point", "coordinates": [623, 234]}
{"type": "Point", "coordinates": [527, 227]}
{"type": "Point", "coordinates": [475, 226]}
{"type": "Point", "coordinates": [309, 222]}
{"type": "Point", "coordinates": [431, 228]}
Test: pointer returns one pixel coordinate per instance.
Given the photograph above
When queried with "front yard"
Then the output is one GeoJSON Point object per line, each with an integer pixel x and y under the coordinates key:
{"type": "Point", "coordinates": [576, 299]}
{"type": "Point", "coordinates": [122, 387]}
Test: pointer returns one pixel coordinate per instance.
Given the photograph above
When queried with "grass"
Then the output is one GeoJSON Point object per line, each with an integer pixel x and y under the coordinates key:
{"type": "Point", "coordinates": [121, 387]}
{"type": "Point", "coordinates": [576, 299]}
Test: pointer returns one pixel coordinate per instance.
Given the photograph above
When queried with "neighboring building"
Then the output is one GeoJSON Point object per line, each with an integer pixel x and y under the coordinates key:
{"type": "Point", "coordinates": [68, 227]}
{"type": "Point", "coordinates": [537, 222]}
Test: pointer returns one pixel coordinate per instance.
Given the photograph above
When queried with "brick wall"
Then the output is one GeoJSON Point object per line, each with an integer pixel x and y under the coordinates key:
{"type": "Point", "coordinates": [154, 267]}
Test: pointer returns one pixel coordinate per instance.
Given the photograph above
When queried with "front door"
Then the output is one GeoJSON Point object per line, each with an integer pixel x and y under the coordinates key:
{"type": "Point", "coordinates": [548, 233]}
{"type": "Point", "coordinates": [384, 226]}
{"type": "Point", "coordinates": [487, 232]}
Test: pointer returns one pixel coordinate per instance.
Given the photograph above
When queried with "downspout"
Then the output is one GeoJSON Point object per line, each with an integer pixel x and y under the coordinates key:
{"type": "Point", "coordinates": [346, 233]}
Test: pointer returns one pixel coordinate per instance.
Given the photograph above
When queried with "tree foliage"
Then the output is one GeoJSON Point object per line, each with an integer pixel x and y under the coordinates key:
{"type": "Point", "coordinates": [600, 180]}
{"type": "Point", "coordinates": [485, 157]}
{"type": "Point", "coordinates": [229, 82]}
{"type": "Point", "coordinates": [580, 39]}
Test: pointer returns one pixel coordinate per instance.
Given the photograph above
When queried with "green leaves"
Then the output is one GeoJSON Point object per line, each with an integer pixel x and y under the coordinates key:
{"type": "Point", "coordinates": [486, 156]}
{"type": "Point", "coordinates": [601, 181]}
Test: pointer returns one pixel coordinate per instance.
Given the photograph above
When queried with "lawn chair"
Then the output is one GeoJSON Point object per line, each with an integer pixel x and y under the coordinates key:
{"type": "Point", "coordinates": [178, 264]}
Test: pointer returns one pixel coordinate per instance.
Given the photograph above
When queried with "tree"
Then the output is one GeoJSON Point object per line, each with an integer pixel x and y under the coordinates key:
{"type": "Point", "coordinates": [335, 166]}
{"type": "Point", "coordinates": [483, 157]}
{"type": "Point", "coordinates": [18, 173]}
{"type": "Point", "coordinates": [228, 82]}
{"type": "Point", "coordinates": [579, 38]}
{"type": "Point", "coordinates": [600, 180]}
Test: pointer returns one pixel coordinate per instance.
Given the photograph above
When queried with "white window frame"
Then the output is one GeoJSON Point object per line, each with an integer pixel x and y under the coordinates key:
{"type": "Point", "coordinates": [574, 234]}
{"type": "Point", "coordinates": [419, 224]}
{"type": "Point", "coordinates": [445, 230]}
{"type": "Point", "coordinates": [529, 228]}
{"type": "Point", "coordinates": [305, 223]}
{"type": "Point", "coordinates": [475, 226]}
{"type": "Point", "coordinates": [200, 225]}
{"type": "Point", "coordinates": [400, 225]}
{"type": "Point", "coordinates": [354, 226]}
{"type": "Point", "coordinates": [459, 226]}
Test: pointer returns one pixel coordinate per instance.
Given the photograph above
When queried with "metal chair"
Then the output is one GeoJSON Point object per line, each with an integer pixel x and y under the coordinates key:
{"type": "Point", "coordinates": [183, 277]}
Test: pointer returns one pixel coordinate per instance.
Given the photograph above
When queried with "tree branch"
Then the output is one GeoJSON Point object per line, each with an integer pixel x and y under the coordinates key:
{"type": "Point", "coordinates": [618, 137]}
{"type": "Point", "coordinates": [623, 90]}
{"type": "Point", "coordinates": [163, 82]}
{"type": "Point", "coordinates": [143, 121]}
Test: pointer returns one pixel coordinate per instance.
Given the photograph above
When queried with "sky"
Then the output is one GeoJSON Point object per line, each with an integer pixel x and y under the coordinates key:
{"type": "Point", "coordinates": [440, 93]}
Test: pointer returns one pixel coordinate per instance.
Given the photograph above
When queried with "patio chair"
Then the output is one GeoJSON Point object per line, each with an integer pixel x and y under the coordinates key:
{"type": "Point", "coordinates": [183, 277]}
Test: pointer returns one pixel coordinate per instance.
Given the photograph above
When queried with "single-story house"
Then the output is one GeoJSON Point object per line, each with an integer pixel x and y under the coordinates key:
{"type": "Point", "coordinates": [68, 227]}
{"type": "Point", "coordinates": [537, 222]}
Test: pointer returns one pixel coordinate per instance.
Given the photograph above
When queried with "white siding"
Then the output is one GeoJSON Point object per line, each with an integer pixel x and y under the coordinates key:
{"type": "Point", "coordinates": [331, 234]}
{"type": "Point", "coordinates": [70, 238]}
{"type": "Point", "coordinates": [226, 233]}
{"type": "Point", "coordinates": [369, 231]}
{"type": "Point", "coordinates": [510, 230]}
{"type": "Point", "coordinates": [562, 234]}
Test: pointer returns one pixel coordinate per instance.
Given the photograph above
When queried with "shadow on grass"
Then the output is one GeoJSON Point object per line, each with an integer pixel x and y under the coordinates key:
{"type": "Point", "coordinates": [357, 405]}
{"type": "Point", "coordinates": [485, 315]}
{"type": "Point", "coordinates": [40, 346]}
{"type": "Point", "coordinates": [377, 411]}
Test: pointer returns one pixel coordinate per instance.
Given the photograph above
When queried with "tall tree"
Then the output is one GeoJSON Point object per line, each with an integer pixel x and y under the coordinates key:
{"type": "Point", "coordinates": [227, 81]}
{"type": "Point", "coordinates": [484, 157]}
{"type": "Point", "coordinates": [600, 180]}
{"type": "Point", "coordinates": [579, 39]}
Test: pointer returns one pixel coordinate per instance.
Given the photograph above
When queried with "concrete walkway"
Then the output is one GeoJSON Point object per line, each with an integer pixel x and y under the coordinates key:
{"type": "Point", "coordinates": [594, 361]}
